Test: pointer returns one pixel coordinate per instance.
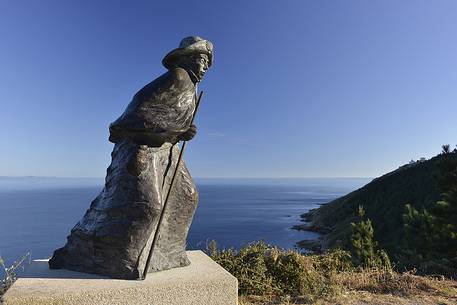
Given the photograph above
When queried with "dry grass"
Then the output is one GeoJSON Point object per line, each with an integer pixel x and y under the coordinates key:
{"type": "Point", "coordinates": [387, 282]}
{"type": "Point", "coordinates": [373, 287]}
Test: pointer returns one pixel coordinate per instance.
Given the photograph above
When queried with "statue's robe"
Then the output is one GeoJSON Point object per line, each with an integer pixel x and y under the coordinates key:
{"type": "Point", "coordinates": [115, 235]}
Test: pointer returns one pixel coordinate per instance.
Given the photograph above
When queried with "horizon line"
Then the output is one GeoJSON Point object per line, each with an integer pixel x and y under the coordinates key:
{"type": "Point", "coordinates": [215, 177]}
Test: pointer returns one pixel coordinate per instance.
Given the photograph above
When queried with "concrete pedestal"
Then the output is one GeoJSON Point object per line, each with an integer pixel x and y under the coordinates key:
{"type": "Point", "coordinates": [204, 282]}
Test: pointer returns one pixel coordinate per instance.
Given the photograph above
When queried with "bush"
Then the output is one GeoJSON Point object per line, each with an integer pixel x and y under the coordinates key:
{"type": "Point", "coordinates": [248, 266]}
{"type": "Point", "coordinates": [275, 274]}
{"type": "Point", "coordinates": [295, 274]}
{"type": "Point", "coordinates": [266, 270]}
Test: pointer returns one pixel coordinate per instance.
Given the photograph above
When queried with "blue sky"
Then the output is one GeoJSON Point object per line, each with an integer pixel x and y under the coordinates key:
{"type": "Point", "coordinates": [297, 89]}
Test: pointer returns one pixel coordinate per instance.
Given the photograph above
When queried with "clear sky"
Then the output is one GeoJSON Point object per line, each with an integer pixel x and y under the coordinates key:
{"type": "Point", "coordinates": [297, 89]}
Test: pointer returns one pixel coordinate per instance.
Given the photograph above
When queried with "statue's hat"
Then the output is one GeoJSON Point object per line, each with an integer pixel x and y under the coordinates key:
{"type": "Point", "coordinates": [189, 45]}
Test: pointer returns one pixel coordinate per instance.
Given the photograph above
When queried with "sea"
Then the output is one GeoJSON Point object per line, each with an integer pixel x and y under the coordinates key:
{"type": "Point", "coordinates": [36, 213]}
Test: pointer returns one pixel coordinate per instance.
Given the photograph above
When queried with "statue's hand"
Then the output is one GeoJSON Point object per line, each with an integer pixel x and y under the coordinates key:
{"type": "Point", "coordinates": [189, 134]}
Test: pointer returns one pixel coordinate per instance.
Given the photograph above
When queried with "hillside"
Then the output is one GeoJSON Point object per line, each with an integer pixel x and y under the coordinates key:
{"type": "Point", "coordinates": [384, 201]}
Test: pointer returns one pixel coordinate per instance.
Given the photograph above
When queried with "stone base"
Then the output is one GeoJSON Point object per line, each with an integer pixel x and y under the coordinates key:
{"type": "Point", "coordinates": [204, 282]}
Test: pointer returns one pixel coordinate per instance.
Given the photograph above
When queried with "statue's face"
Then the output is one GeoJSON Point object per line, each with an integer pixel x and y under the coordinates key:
{"type": "Point", "coordinates": [198, 64]}
{"type": "Point", "coordinates": [201, 65]}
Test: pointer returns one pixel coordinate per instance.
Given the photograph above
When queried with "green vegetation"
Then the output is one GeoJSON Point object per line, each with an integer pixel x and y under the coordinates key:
{"type": "Point", "coordinates": [410, 212]}
{"type": "Point", "coordinates": [268, 275]}
{"type": "Point", "coordinates": [364, 247]}
{"type": "Point", "coordinates": [265, 270]}
{"type": "Point", "coordinates": [431, 233]}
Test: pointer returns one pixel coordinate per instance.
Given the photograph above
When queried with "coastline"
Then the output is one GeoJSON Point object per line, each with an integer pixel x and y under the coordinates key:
{"type": "Point", "coordinates": [315, 246]}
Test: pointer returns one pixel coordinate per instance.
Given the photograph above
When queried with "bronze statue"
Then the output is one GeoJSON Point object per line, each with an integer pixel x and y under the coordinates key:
{"type": "Point", "coordinates": [114, 238]}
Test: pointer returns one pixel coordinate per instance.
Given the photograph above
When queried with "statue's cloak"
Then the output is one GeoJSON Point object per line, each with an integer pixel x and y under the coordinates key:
{"type": "Point", "coordinates": [159, 112]}
{"type": "Point", "coordinates": [115, 235]}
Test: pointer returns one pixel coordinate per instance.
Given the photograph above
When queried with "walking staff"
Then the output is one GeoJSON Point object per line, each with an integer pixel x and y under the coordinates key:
{"type": "Point", "coordinates": [157, 230]}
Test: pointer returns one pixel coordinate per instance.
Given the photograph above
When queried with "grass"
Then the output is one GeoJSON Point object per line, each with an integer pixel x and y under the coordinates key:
{"type": "Point", "coordinates": [268, 275]}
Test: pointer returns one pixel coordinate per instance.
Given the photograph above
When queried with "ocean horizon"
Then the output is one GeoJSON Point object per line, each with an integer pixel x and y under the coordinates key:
{"type": "Point", "coordinates": [37, 213]}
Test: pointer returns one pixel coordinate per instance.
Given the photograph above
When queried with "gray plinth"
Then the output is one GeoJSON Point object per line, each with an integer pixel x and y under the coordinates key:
{"type": "Point", "coordinates": [203, 282]}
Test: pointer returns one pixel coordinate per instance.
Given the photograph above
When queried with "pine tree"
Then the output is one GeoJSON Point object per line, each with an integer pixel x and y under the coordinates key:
{"type": "Point", "coordinates": [420, 229]}
{"type": "Point", "coordinates": [364, 246]}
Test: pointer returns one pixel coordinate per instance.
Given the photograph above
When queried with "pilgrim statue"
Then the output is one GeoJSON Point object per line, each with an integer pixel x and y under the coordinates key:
{"type": "Point", "coordinates": [115, 236]}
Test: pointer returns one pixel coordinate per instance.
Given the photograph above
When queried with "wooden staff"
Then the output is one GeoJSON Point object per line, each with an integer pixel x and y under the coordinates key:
{"type": "Point", "coordinates": [181, 153]}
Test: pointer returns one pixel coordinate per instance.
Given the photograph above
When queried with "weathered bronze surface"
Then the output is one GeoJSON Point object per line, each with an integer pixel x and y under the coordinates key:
{"type": "Point", "coordinates": [115, 235]}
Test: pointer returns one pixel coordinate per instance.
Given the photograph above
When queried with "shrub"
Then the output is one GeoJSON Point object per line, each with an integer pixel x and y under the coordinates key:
{"type": "Point", "coordinates": [265, 270]}
{"type": "Point", "coordinates": [286, 276]}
